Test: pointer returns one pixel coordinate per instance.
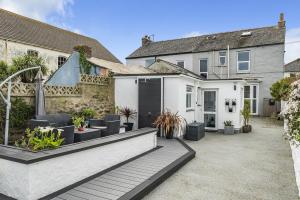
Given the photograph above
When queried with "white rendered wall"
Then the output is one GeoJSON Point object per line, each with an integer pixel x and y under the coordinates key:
{"type": "Point", "coordinates": [296, 159]}
{"type": "Point", "coordinates": [225, 90]}
{"type": "Point", "coordinates": [126, 94]}
{"type": "Point", "coordinates": [33, 181]}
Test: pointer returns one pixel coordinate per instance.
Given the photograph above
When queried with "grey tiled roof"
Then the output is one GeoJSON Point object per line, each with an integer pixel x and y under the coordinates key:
{"type": "Point", "coordinates": [25, 30]}
{"type": "Point", "coordinates": [293, 66]}
{"type": "Point", "coordinates": [260, 37]}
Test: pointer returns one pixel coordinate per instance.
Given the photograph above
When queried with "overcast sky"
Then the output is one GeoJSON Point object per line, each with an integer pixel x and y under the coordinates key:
{"type": "Point", "coordinates": [119, 25]}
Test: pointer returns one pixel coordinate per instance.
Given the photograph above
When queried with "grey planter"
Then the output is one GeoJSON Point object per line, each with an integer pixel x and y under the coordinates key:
{"type": "Point", "coordinates": [228, 130]}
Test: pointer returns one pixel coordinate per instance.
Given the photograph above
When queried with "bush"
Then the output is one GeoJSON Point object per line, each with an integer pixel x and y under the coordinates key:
{"type": "Point", "coordinates": [40, 139]}
{"type": "Point", "coordinates": [27, 61]}
{"type": "Point", "coordinates": [281, 89]}
{"type": "Point", "coordinates": [88, 113]}
{"type": "Point", "coordinates": [4, 70]}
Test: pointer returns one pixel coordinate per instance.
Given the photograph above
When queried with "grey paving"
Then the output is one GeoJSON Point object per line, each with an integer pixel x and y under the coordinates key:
{"type": "Point", "coordinates": [116, 183]}
{"type": "Point", "coordinates": [254, 166]}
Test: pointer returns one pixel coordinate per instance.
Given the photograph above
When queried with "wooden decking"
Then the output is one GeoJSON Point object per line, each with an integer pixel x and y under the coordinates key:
{"type": "Point", "coordinates": [134, 179]}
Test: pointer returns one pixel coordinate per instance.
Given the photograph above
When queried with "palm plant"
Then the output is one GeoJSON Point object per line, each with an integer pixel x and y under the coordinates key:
{"type": "Point", "coordinates": [27, 61]}
{"type": "Point", "coordinates": [127, 112]}
{"type": "Point", "coordinates": [168, 121]}
{"type": "Point", "coordinates": [246, 113]}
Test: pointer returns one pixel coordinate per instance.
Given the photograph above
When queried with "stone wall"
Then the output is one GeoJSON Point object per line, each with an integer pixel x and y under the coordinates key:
{"type": "Point", "coordinates": [98, 95]}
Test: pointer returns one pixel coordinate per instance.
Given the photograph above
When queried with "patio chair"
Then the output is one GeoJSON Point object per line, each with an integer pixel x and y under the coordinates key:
{"type": "Point", "coordinates": [102, 122]}
{"type": "Point", "coordinates": [57, 120]}
{"type": "Point", "coordinates": [34, 123]}
{"type": "Point", "coordinates": [112, 127]}
{"type": "Point", "coordinates": [67, 134]}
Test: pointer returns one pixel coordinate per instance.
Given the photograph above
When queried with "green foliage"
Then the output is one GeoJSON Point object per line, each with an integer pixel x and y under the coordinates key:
{"type": "Point", "coordinates": [27, 61]}
{"type": "Point", "coordinates": [88, 113]}
{"type": "Point", "coordinates": [77, 121]}
{"type": "Point", "coordinates": [246, 112]}
{"type": "Point", "coordinates": [40, 139]}
{"type": "Point", "coordinates": [228, 123]}
{"type": "Point", "coordinates": [19, 114]}
{"type": "Point", "coordinates": [85, 65]}
{"type": "Point", "coordinates": [281, 89]}
{"type": "Point", "coordinates": [4, 70]}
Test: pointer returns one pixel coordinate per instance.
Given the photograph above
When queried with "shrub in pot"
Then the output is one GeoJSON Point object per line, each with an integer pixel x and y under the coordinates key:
{"type": "Point", "coordinates": [246, 115]}
{"type": "Point", "coordinates": [168, 122]}
{"type": "Point", "coordinates": [228, 128]}
{"type": "Point", "coordinates": [127, 113]}
{"type": "Point", "coordinates": [78, 123]}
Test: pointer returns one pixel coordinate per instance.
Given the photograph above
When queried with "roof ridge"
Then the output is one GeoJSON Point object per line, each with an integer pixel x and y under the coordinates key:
{"type": "Point", "coordinates": [296, 60]}
{"type": "Point", "coordinates": [216, 33]}
{"type": "Point", "coordinates": [45, 24]}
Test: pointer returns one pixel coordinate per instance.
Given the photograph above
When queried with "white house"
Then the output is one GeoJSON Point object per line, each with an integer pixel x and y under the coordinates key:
{"type": "Point", "coordinates": [179, 90]}
{"type": "Point", "coordinates": [255, 55]}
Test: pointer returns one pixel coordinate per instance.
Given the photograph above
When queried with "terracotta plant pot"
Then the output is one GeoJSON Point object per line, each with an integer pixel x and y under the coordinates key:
{"type": "Point", "coordinates": [80, 129]}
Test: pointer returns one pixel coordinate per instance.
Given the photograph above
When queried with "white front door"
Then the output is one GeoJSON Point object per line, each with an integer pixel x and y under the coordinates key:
{"type": "Point", "coordinates": [210, 109]}
{"type": "Point", "coordinates": [251, 93]}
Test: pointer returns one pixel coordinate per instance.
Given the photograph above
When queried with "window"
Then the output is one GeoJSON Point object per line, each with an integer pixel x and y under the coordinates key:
{"type": "Point", "coordinates": [33, 53]}
{"type": "Point", "coordinates": [189, 94]}
{"type": "Point", "coordinates": [222, 58]}
{"type": "Point", "coordinates": [149, 62]}
{"type": "Point", "coordinates": [243, 61]}
{"type": "Point", "coordinates": [204, 68]}
{"type": "Point", "coordinates": [61, 60]}
{"type": "Point", "coordinates": [251, 93]}
{"type": "Point", "coordinates": [180, 63]}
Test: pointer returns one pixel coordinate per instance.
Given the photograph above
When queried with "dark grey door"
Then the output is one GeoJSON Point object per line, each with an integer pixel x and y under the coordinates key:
{"type": "Point", "coordinates": [149, 101]}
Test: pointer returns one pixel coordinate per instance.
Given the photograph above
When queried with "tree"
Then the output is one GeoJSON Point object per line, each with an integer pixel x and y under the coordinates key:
{"type": "Point", "coordinates": [27, 61]}
{"type": "Point", "coordinates": [281, 89]}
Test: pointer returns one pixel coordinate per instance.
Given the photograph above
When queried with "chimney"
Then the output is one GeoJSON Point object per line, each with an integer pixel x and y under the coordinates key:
{"type": "Point", "coordinates": [281, 22]}
{"type": "Point", "coordinates": [146, 40]}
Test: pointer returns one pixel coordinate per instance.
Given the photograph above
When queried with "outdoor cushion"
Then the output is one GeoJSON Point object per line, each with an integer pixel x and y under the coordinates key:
{"type": "Point", "coordinates": [34, 123]}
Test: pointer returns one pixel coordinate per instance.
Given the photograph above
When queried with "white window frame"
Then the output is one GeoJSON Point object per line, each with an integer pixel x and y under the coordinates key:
{"type": "Point", "coordinates": [200, 67]}
{"type": "Point", "coordinates": [224, 57]}
{"type": "Point", "coordinates": [58, 61]}
{"type": "Point", "coordinates": [180, 61]}
{"type": "Point", "coordinates": [251, 98]}
{"type": "Point", "coordinates": [190, 93]}
{"type": "Point", "coordinates": [237, 62]}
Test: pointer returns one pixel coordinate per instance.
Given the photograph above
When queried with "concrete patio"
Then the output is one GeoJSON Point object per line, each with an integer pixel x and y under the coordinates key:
{"type": "Point", "coordinates": [250, 166]}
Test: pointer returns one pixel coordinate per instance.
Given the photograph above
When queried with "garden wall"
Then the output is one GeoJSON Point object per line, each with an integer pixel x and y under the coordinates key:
{"type": "Point", "coordinates": [92, 91]}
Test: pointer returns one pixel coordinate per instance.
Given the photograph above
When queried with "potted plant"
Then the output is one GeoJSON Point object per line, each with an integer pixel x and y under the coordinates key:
{"type": "Point", "coordinates": [246, 115]}
{"type": "Point", "coordinates": [128, 113]}
{"type": "Point", "coordinates": [168, 121]}
{"type": "Point", "coordinates": [78, 123]}
{"type": "Point", "coordinates": [228, 128]}
{"type": "Point", "coordinates": [88, 113]}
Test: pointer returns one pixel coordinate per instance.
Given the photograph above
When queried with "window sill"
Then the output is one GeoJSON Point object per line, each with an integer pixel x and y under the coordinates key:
{"type": "Point", "coordinates": [190, 109]}
{"type": "Point", "coordinates": [241, 72]}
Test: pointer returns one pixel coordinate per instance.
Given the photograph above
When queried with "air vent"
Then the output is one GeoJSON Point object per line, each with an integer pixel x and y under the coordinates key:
{"type": "Point", "coordinates": [245, 34]}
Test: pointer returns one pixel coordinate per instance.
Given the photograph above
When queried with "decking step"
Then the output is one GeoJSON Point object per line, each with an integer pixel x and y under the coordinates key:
{"type": "Point", "coordinates": [135, 179]}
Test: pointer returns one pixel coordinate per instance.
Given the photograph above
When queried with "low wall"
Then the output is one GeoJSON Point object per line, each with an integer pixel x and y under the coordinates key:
{"type": "Point", "coordinates": [26, 175]}
{"type": "Point", "coordinates": [296, 157]}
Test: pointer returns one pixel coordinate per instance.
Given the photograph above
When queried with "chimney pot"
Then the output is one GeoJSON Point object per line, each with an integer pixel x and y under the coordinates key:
{"type": "Point", "coordinates": [281, 22]}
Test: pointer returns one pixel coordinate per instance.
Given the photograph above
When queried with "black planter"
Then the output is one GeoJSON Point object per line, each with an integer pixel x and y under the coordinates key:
{"type": "Point", "coordinates": [247, 128]}
{"type": "Point", "coordinates": [128, 126]}
{"type": "Point", "coordinates": [170, 134]}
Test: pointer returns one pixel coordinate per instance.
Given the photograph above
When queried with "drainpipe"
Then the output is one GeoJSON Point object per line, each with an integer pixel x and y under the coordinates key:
{"type": "Point", "coordinates": [6, 51]}
{"type": "Point", "coordinates": [228, 62]}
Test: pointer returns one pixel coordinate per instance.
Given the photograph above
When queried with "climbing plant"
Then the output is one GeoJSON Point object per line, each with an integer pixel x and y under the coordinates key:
{"type": "Point", "coordinates": [281, 89]}
{"type": "Point", "coordinates": [84, 52]}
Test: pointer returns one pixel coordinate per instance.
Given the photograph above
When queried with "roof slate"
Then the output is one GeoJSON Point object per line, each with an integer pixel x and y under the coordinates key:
{"type": "Point", "coordinates": [219, 41]}
{"type": "Point", "coordinates": [29, 31]}
{"type": "Point", "coordinates": [293, 66]}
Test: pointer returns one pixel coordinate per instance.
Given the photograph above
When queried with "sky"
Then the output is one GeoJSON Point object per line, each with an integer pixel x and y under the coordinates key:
{"type": "Point", "coordinates": [119, 25]}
